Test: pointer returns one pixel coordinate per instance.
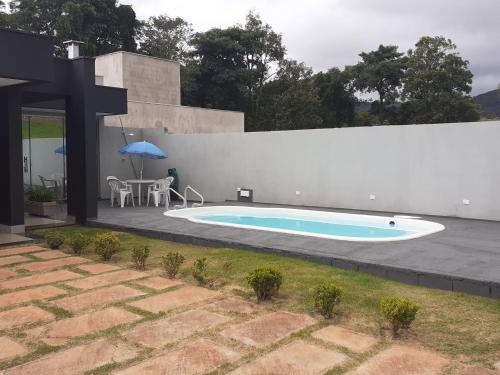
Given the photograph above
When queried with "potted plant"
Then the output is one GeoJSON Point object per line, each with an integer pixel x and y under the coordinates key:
{"type": "Point", "coordinates": [40, 201]}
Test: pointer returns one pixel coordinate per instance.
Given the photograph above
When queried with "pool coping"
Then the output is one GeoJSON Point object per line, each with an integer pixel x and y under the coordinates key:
{"type": "Point", "coordinates": [430, 279]}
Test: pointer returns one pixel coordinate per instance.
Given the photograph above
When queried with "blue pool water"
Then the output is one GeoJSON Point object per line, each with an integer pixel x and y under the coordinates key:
{"type": "Point", "coordinates": [333, 229]}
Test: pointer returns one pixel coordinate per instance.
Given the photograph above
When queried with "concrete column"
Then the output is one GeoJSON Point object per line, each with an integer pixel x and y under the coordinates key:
{"type": "Point", "coordinates": [81, 139]}
{"type": "Point", "coordinates": [11, 164]}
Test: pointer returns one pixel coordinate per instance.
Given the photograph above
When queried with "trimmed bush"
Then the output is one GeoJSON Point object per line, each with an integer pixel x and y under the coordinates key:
{"type": "Point", "coordinates": [106, 245]}
{"type": "Point", "coordinates": [199, 270]}
{"type": "Point", "coordinates": [172, 263]}
{"type": "Point", "coordinates": [399, 311]}
{"type": "Point", "coordinates": [79, 243]}
{"type": "Point", "coordinates": [326, 296]}
{"type": "Point", "coordinates": [140, 256]}
{"type": "Point", "coordinates": [40, 194]}
{"type": "Point", "coordinates": [54, 240]}
{"type": "Point", "coordinates": [265, 281]}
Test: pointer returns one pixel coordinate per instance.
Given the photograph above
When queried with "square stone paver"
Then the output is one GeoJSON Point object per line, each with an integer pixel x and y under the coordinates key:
{"type": "Point", "coordinates": [13, 259]}
{"type": "Point", "coordinates": [22, 296]}
{"type": "Point", "coordinates": [50, 254]}
{"type": "Point", "coordinates": [54, 263]}
{"type": "Point", "coordinates": [351, 340]}
{"type": "Point", "coordinates": [20, 250]}
{"type": "Point", "coordinates": [106, 279]}
{"type": "Point", "coordinates": [98, 268]}
{"type": "Point", "coordinates": [158, 283]}
{"type": "Point", "coordinates": [196, 358]}
{"type": "Point", "coordinates": [5, 273]}
{"type": "Point", "coordinates": [98, 297]}
{"type": "Point", "coordinates": [269, 328]}
{"type": "Point", "coordinates": [177, 298]}
{"type": "Point", "coordinates": [10, 348]}
{"type": "Point", "coordinates": [59, 332]}
{"type": "Point", "coordinates": [39, 279]}
{"type": "Point", "coordinates": [175, 328]}
{"type": "Point", "coordinates": [23, 315]}
{"type": "Point", "coordinates": [77, 360]}
{"type": "Point", "coordinates": [399, 360]}
{"type": "Point", "coordinates": [298, 357]}
{"type": "Point", "coordinates": [236, 305]}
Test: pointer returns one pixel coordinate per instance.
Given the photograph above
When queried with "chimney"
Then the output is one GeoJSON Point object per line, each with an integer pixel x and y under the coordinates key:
{"type": "Point", "coordinates": [73, 48]}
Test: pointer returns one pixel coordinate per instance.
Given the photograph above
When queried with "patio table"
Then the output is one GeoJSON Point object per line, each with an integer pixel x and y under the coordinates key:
{"type": "Point", "coordinates": [139, 183]}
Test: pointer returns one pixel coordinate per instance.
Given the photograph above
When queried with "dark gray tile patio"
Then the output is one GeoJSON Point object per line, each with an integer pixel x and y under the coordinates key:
{"type": "Point", "coordinates": [464, 257]}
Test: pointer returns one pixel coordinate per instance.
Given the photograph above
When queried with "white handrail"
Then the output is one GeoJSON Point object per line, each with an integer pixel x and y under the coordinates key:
{"type": "Point", "coordinates": [202, 200]}
{"type": "Point", "coordinates": [177, 206]}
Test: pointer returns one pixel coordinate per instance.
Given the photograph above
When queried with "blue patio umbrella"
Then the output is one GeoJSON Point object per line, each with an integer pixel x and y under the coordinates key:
{"type": "Point", "coordinates": [144, 150]}
{"type": "Point", "coordinates": [61, 150]}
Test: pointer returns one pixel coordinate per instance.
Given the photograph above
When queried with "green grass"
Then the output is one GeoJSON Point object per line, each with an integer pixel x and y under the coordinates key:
{"type": "Point", "coordinates": [43, 129]}
{"type": "Point", "coordinates": [460, 325]}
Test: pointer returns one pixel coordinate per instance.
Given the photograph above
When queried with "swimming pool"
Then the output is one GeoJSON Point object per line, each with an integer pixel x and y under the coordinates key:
{"type": "Point", "coordinates": [332, 225]}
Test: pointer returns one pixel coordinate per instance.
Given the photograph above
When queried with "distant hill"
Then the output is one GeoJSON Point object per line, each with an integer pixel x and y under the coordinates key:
{"type": "Point", "coordinates": [489, 103]}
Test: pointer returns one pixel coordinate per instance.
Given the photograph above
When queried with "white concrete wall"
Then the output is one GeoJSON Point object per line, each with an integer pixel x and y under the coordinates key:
{"type": "Point", "coordinates": [44, 161]}
{"type": "Point", "coordinates": [420, 169]}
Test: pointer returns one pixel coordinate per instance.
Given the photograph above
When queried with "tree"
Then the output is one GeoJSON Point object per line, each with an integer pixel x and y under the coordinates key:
{"type": "Point", "coordinates": [380, 71]}
{"type": "Point", "coordinates": [336, 94]}
{"type": "Point", "coordinates": [103, 25]}
{"type": "Point", "coordinates": [4, 16]}
{"type": "Point", "coordinates": [437, 83]}
{"type": "Point", "coordinates": [218, 69]}
{"type": "Point", "coordinates": [263, 49]}
{"type": "Point", "coordinates": [166, 37]}
{"type": "Point", "coordinates": [290, 101]}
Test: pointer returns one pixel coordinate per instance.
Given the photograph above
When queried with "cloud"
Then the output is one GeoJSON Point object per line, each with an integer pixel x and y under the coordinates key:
{"type": "Point", "coordinates": [327, 33]}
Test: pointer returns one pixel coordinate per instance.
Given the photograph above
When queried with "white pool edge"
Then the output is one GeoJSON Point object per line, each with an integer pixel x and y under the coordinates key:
{"type": "Point", "coordinates": [188, 214]}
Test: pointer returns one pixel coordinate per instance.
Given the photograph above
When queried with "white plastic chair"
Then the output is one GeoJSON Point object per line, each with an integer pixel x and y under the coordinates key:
{"type": "Point", "coordinates": [159, 190]}
{"type": "Point", "coordinates": [50, 184]}
{"type": "Point", "coordinates": [122, 188]}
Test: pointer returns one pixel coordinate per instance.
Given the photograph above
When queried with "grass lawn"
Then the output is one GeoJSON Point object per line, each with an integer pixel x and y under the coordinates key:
{"type": "Point", "coordinates": [43, 129]}
{"type": "Point", "coordinates": [463, 326]}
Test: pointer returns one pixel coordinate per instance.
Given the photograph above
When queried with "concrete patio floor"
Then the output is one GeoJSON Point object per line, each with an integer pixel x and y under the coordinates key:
{"type": "Point", "coordinates": [67, 315]}
{"type": "Point", "coordinates": [465, 257]}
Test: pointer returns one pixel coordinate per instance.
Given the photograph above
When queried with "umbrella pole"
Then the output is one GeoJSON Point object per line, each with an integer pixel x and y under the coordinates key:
{"type": "Point", "coordinates": [142, 165]}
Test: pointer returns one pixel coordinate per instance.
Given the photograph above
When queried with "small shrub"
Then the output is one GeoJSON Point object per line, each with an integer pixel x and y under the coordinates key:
{"type": "Point", "coordinates": [326, 296]}
{"type": "Point", "coordinates": [399, 311]}
{"type": "Point", "coordinates": [79, 243]}
{"type": "Point", "coordinates": [106, 245]}
{"type": "Point", "coordinates": [40, 194]}
{"type": "Point", "coordinates": [54, 240]}
{"type": "Point", "coordinates": [172, 263]}
{"type": "Point", "coordinates": [265, 281]}
{"type": "Point", "coordinates": [140, 256]}
{"type": "Point", "coordinates": [199, 270]}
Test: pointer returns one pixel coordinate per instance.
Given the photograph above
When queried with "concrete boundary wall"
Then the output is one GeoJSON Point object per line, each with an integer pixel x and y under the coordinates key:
{"type": "Point", "coordinates": [417, 169]}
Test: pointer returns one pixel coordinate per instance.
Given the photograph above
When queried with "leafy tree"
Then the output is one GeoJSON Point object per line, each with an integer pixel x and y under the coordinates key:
{"type": "Point", "coordinates": [380, 71]}
{"type": "Point", "coordinates": [437, 83]}
{"type": "Point", "coordinates": [290, 101]}
{"type": "Point", "coordinates": [103, 25]}
{"type": "Point", "coordinates": [218, 69]}
{"type": "Point", "coordinates": [263, 47]}
{"type": "Point", "coordinates": [337, 98]}
{"type": "Point", "coordinates": [4, 16]}
{"type": "Point", "coordinates": [166, 37]}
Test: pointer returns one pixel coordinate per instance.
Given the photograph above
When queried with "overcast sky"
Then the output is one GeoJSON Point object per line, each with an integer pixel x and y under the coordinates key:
{"type": "Point", "coordinates": [327, 33]}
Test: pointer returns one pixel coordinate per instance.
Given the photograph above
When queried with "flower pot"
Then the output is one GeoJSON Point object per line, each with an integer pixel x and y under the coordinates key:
{"type": "Point", "coordinates": [41, 208]}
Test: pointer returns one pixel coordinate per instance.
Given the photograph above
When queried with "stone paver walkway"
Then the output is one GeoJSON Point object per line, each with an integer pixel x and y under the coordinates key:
{"type": "Point", "coordinates": [121, 321]}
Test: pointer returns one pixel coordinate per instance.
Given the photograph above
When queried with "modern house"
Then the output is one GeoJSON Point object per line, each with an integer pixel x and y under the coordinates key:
{"type": "Point", "coordinates": [33, 80]}
{"type": "Point", "coordinates": [84, 94]}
